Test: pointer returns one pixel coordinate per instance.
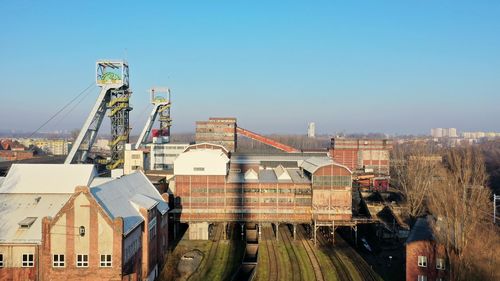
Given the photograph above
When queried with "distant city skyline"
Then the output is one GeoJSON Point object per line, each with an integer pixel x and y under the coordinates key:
{"type": "Point", "coordinates": [357, 67]}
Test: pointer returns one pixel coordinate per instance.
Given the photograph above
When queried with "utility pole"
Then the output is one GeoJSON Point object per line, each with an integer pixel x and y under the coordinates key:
{"type": "Point", "coordinates": [495, 198]}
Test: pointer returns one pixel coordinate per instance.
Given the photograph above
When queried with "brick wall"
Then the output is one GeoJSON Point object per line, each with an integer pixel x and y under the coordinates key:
{"type": "Point", "coordinates": [70, 271]}
{"type": "Point", "coordinates": [431, 251]}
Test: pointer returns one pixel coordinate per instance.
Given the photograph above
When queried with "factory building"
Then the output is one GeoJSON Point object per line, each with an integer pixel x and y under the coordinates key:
{"type": "Point", "coordinates": [211, 185]}
{"type": "Point", "coordinates": [62, 222]}
{"type": "Point", "coordinates": [162, 155]}
{"type": "Point", "coordinates": [221, 131]}
{"type": "Point", "coordinates": [366, 155]}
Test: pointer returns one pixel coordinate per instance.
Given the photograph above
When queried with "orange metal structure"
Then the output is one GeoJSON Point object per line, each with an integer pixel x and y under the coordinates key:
{"type": "Point", "coordinates": [265, 140]}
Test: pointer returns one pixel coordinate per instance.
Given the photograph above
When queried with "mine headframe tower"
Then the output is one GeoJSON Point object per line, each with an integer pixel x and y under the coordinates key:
{"type": "Point", "coordinates": [161, 100]}
{"type": "Point", "coordinates": [113, 78]}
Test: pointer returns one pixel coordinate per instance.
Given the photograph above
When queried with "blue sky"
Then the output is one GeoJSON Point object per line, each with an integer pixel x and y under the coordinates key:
{"type": "Point", "coordinates": [352, 66]}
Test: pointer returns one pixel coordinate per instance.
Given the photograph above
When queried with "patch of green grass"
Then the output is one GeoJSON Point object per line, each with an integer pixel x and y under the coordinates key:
{"type": "Point", "coordinates": [326, 265]}
{"type": "Point", "coordinates": [284, 264]}
{"type": "Point", "coordinates": [263, 262]}
{"type": "Point", "coordinates": [304, 262]}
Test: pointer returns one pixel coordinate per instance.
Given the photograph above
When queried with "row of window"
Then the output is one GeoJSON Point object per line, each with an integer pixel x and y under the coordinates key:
{"type": "Point", "coordinates": [422, 262]}
{"type": "Point", "coordinates": [232, 200]}
{"type": "Point", "coordinates": [58, 260]}
{"type": "Point", "coordinates": [249, 190]}
{"type": "Point", "coordinates": [332, 180]}
{"type": "Point", "coordinates": [424, 278]}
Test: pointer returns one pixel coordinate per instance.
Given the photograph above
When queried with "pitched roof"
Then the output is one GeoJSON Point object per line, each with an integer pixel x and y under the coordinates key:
{"type": "Point", "coordinates": [421, 231]}
{"type": "Point", "coordinates": [282, 173]}
{"type": "Point", "coordinates": [124, 196]}
{"type": "Point", "coordinates": [22, 215]}
{"type": "Point", "coordinates": [314, 163]}
{"type": "Point", "coordinates": [47, 178]}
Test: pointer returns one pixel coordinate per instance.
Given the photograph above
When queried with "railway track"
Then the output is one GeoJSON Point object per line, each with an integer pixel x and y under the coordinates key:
{"type": "Point", "coordinates": [340, 267]}
{"type": "Point", "coordinates": [311, 253]}
{"type": "Point", "coordinates": [271, 254]}
{"type": "Point", "coordinates": [363, 268]}
{"type": "Point", "coordinates": [285, 237]}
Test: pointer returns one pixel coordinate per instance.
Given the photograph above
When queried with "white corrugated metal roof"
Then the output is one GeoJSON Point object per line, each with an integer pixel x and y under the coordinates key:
{"type": "Point", "coordinates": [119, 196]}
{"type": "Point", "coordinates": [143, 201]}
{"type": "Point", "coordinates": [15, 208]}
{"type": "Point", "coordinates": [314, 163]}
{"type": "Point", "coordinates": [47, 178]}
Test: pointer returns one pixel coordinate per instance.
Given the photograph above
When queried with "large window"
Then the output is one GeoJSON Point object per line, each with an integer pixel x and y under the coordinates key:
{"type": "Point", "coordinates": [422, 261]}
{"type": "Point", "coordinates": [58, 260]}
{"type": "Point", "coordinates": [422, 278]}
{"type": "Point", "coordinates": [82, 260]}
{"type": "Point", "coordinates": [1, 260]}
{"type": "Point", "coordinates": [440, 264]}
{"type": "Point", "coordinates": [28, 260]}
{"type": "Point", "coordinates": [105, 261]}
{"type": "Point", "coordinates": [332, 180]}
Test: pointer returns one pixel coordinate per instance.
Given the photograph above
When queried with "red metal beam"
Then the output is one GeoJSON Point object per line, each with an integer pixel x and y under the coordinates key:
{"type": "Point", "coordinates": [265, 140]}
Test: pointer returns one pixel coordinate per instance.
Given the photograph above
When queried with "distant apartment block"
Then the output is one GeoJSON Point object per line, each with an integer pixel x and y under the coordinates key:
{"type": "Point", "coordinates": [479, 135]}
{"type": "Point", "coordinates": [50, 146]}
{"type": "Point", "coordinates": [311, 130]}
{"type": "Point", "coordinates": [444, 133]}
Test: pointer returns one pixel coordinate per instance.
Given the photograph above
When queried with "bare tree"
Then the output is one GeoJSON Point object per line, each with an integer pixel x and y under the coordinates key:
{"type": "Point", "coordinates": [460, 202]}
{"type": "Point", "coordinates": [413, 171]}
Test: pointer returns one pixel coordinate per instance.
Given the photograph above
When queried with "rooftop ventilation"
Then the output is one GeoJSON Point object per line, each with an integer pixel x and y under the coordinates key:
{"type": "Point", "coordinates": [27, 222]}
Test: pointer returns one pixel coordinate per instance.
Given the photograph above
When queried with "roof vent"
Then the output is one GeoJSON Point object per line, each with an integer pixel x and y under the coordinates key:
{"type": "Point", "coordinates": [27, 222]}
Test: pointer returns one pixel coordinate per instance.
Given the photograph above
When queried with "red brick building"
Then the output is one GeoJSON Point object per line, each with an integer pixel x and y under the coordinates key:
{"type": "Point", "coordinates": [211, 185]}
{"type": "Point", "coordinates": [12, 150]}
{"type": "Point", "coordinates": [425, 259]}
{"type": "Point", "coordinates": [104, 229]}
{"type": "Point", "coordinates": [357, 154]}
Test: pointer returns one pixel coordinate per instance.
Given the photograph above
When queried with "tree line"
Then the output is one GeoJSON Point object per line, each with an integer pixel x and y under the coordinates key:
{"type": "Point", "coordinates": [450, 185]}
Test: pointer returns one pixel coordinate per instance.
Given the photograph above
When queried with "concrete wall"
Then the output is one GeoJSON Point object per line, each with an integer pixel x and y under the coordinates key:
{"type": "Point", "coordinates": [198, 231]}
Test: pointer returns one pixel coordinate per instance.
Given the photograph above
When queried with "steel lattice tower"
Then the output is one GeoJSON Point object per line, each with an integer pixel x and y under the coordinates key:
{"type": "Point", "coordinates": [119, 114]}
{"type": "Point", "coordinates": [113, 78]}
{"type": "Point", "coordinates": [161, 100]}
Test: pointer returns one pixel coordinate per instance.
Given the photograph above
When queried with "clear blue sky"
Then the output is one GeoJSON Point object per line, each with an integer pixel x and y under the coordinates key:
{"type": "Point", "coordinates": [354, 66]}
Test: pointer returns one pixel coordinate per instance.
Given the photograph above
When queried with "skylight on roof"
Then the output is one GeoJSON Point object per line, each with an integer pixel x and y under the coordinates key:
{"type": "Point", "coordinates": [27, 222]}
